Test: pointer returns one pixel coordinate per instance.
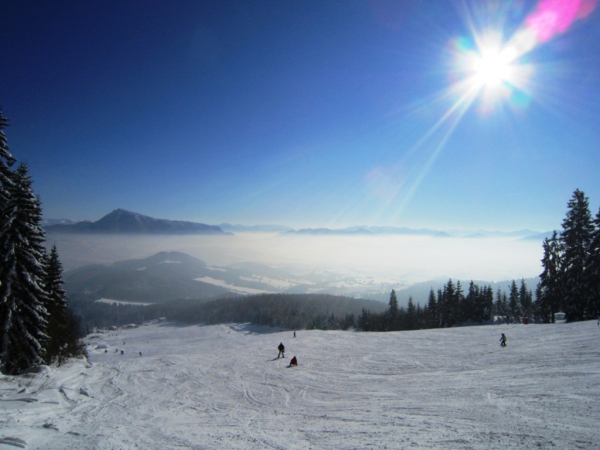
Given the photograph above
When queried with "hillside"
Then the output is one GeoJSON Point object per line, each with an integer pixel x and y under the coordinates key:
{"type": "Point", "coordinates": [121, 221]}
{"type": "Point", "coordinates": [216, 387]}
{"type": "Point", "coordinates": [157, 279]}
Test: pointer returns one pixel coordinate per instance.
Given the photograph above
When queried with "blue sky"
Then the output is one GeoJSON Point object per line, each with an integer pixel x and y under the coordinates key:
{"type": "Point", "coordinates": [302, 113]}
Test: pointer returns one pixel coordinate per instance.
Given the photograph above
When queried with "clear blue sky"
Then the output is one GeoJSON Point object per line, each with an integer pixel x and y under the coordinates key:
{"type": "Point", "coordinates": [303, 113]}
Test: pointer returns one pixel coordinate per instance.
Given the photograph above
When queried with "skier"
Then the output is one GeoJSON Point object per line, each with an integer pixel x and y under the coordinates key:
{"type": "Point", "coordinates": [293, 362]}
{"type": "Point", "coordinates": [294, 334]}
{"type": "Point", "coordinates": [502, 340]}
{"type": "Point", "coordinates": [281, 349]}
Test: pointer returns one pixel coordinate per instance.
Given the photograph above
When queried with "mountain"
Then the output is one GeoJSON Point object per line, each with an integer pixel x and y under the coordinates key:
{"type": "Point", "coordinates": [47, 222]}
{"type": "Point", "coordinates": [157, 279]}
{"type": "Point", "coordinates": [255, 228]}
{"type": "Point", "coordinates": [368, 231]}
{"type": "Point", "coordinates": [539, 237]}
{"type": "Point", "coordinates": [121, 221]}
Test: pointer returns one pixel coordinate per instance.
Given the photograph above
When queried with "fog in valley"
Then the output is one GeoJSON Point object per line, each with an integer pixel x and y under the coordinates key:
{"type": "Point", "coordinates": [375, 260]}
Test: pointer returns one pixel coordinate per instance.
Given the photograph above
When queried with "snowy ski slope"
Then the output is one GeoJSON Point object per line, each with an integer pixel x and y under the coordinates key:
{"type": "Point", "coordinates": [221, 387]}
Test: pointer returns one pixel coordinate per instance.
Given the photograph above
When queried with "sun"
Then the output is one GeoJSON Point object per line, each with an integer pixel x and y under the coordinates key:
{"type": "Point", "coordinates": [492, 67]}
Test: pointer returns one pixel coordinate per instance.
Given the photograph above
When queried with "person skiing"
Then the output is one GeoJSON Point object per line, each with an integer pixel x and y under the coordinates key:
{"type": "Point", "coordinates": [502, 340]}
{"type": "Point", "coordinates": [293, 362]}
{"type": "Point", "coordinates": [281, 349]}
{"type": "Point", "coordinates": [294, 334]}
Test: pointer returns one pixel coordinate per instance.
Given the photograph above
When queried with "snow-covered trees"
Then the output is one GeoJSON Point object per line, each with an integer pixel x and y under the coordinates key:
{"type": "Point", "coordinates": [28, 297]}
{"type": "Point", "coordinates": [24, 298]}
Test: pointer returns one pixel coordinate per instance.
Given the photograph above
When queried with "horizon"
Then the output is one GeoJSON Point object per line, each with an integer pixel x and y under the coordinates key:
{"type": "Point", "coordinates": [236, 224]}
{"type": "Point", "coordinates": [459, 115]}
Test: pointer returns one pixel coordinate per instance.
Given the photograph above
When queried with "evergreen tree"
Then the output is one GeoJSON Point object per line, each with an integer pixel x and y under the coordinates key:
{"type": "Point", "coordinates": [513, 301]}
{"type": "Point", "coordinates": [24, 316]}
{"type": "Point", "coordinates": [450, 304]}
{"type": "Point", "coordinates": [63, 340]}
{"type": "Point", "coordinates": [549, 298]}
{"type": "Point", "coordinates": [6, 161]}
{"type": "Point", "coordinates": [592, 270]}
{"type": "Point", "coordinates": [576, 238]}
{"type": "Point", "coordinates": [442, 309]}
{"type": "Point", "coordinates": [498, 306]}
{"type": "Point", "coordinates": [393, 304]}
{"type": "Point", "coordinates": [432, 310]}
{"type": "Point", "coordinates": [488, 303]}
{"type": "Point", "coordinates": [525, 299]}
{"type": "Point", "coordinates": [410, 315]}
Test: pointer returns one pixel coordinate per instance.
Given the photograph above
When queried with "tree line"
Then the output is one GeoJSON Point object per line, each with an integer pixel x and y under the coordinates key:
{"type": "Point", "coordinates": [451, 306]}
{"type": "Point", "coordinates": [288, 311]}
{"type": "Point", "coordinates": [36, 325]}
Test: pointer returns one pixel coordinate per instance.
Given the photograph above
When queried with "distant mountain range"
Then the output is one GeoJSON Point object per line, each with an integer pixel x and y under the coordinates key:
{"type": "Point", "coordinates": [122, 221]}
{"type": "Point", "coordinates": [127, 222]}
{"type": "Point", "coordinates": [372, 231]}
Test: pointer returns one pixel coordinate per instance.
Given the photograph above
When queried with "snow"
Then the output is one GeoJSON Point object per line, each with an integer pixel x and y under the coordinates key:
{"type": "Point", "coordinates": [217, 387]}
{"type": "Point", "coordinates": [111, 301]}
{"type": "Point", "coordinates": [231, 287]}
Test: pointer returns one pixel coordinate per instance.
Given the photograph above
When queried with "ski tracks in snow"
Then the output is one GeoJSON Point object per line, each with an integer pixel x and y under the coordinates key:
{"type": "Point", "coordinates": [217, 387]}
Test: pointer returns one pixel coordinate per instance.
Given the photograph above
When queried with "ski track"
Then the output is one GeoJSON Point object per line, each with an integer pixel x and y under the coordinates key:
{"type": "Point", "coordinates": [215, 387]}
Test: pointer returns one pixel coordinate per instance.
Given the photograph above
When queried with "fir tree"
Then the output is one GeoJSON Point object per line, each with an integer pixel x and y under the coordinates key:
{"type": "Point", "coordinates": [525, 299]}
{"type": "Point", "coordinates": [411, 314]}
{"type": "Point", "coordinates": [488, 303]}
{"type": "Point", "coordinates": [6, 161]}
{"type": "Point", "coordinates": [393, 304]}
{"type": "Point", "coordinates": [549, 296]}
{"type": "Point", "coordinates": [432, 311]}
{"type": "Point", "coordinates": [450, 304]}
{"type": "Point", "coordinates": [24, 316]}
{"type": "Point", "coordinates": [513, 300]}
{"type": "Point", "coordinates": [62, 342]}
{"type": "Point", "coordinates": [592, 270]}
{"type": "Point", "coordinates": [576, 238]}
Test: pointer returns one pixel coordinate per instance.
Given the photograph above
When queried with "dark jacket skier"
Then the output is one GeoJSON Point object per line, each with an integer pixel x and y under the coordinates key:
{"type": "Point", "coordinates": [503, 340]}
{"type": "Point", "coordinates": [281, 349]}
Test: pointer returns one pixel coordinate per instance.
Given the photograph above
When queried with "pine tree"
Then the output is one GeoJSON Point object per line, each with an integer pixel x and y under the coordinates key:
{"type": "Point", "coordinates": [576, 238]}
{"type": "Point", "coordinates": [6, 176]}
{"type": "Point", "coordinates": [513, 300]}
{"type": "Point", "coordinates": [393, 304]}
{"type": "Point", "coordinates": [450, 304]}
{"type": "Point", "coordinates": [549, 298]}
{"type": "Point", "coordinates": [498, 306]}
{"type": "Point", "coordinates": [23, 300]}
{"type": "Point", "coordinates": [469, 303]}
{"type": "Point", "coordinates": [432, 309]}
{"type": "Point", "coordinates": [592, 270]}
{"type": "Point", "coordinates": [392, 317]}
{"type": "Point", "coordinates": [525, 299]}
{"type": "Point", "coordinates": [57, 308]}
{"type": "Point", "coordinates": [6, 161]}
{"type": "Point", "coordinates": [410, 314]}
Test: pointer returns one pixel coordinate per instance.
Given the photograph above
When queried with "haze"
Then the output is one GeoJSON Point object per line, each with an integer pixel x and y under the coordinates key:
{"type": "Point", "coordinates": [390, 259]}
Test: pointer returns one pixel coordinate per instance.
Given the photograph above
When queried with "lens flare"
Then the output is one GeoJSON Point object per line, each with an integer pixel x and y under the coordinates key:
{"type": "Point", "coordinates": [553, 17]}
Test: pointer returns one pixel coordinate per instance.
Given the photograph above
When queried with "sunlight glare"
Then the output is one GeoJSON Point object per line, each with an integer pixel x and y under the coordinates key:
{"type": "Point", "coordinates": [493, 67]}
